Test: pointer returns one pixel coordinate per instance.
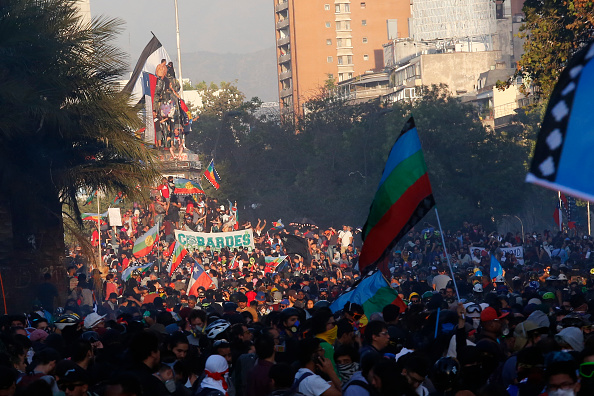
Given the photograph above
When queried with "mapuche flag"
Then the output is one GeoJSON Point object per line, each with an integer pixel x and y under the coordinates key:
{"type": "Point", "coordinates": [563, 159]}
{"type": "Point", "coordinates": [96, 217]}
{"type": "Point", "coordinates": [373, 293]}
{"type": "Point", "coordinates": [145, 243]}
{"type": "Point", "coordinates": [176, 255]}
{"type": "Point", "coordinates": [186, 186]}
{"type": "Point", "coordinates": [199, 278]}
{"type": "Point", "coordinates": [211, 175]}
{"type": "Point", "coordinates": [403, 197]}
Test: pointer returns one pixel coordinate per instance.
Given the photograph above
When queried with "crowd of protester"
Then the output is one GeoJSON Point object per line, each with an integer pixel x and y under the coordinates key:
{"type": "Point", "coordinates": [255, 332]}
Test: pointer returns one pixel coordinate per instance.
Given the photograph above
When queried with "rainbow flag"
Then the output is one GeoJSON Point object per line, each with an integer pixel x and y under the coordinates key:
{"type": "Point", "coordinates": [199, 278]}
{"type": "Point", "coordinates": [211, 175]}
{"type": "Point", "coordinates": [186, 186]}
{"type": "Point", "coordinates": [372, 292]}
{"type": "Point", "coordinates": [403, 197]}
{"type": "Point", "coordinates": [145, 243]}
{"type": "Point", "coordinates": [176, 255]}
{"type": "Point", "coordinates": [143, 269]}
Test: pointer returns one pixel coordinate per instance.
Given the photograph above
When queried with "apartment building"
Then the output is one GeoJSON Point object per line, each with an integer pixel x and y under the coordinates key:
{"type": "Point", "coordinates": [322, 40]}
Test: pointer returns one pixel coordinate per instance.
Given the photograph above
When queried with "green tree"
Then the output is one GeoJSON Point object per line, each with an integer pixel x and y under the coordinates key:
{"type": "Point", "coordinates": [64, 129]}
{"type": "Point", "coordinates": [554, 30]}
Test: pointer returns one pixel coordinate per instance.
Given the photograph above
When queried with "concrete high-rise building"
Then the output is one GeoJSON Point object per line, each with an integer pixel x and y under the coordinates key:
{"type": "Point", "coordinates": [318, 40]}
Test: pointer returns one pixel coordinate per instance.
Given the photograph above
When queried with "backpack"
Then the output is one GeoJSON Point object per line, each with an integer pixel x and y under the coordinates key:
{"type": "Point", "coordinates": [356, 382]}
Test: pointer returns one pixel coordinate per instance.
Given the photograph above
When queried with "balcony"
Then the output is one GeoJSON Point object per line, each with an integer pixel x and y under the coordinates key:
{"type": "Point", "coordinates": [283, 41]}
{"type": "Point", "coordinates": [286, 92]}
{"type": "Point", "coordinates": [282, 24]}
{"type": "Point", "coordinates": [284, 58]}
{"type": "Point", "coordinates": [283, 5]}
{"type": "Point", "coordinates": [284, 75]}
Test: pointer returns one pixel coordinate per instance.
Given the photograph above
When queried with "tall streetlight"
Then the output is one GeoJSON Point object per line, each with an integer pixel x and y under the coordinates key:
{"type": "Point", "coordinates": [521, 224]}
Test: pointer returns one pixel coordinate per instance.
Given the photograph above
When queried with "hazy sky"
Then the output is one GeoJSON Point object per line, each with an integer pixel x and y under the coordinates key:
{"type": "Point", "coordinates": [222, 26]}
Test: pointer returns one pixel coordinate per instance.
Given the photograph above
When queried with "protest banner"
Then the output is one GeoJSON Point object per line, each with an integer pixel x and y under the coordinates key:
{"type": "Point", "coordinates": [217, 241]}
{"type": "Point", "coordinates": [517, 251]}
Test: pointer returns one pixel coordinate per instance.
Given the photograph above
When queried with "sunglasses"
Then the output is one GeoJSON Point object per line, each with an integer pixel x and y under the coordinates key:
{"type": "Point", "coordinates": [587, 369]}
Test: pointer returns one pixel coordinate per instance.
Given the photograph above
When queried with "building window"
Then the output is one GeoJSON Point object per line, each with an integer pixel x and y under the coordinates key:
{"type": "Point", "coordinates": [340, 77]}
{"type": "Point", "coordinates": [328, 41]}
{"type": "Point", "coordinates": [330, 76]}
{"type": "Point", "coordinates": [339, 60]}
{"type": "Point", "coordinates": [363, 5]}
{"type": "Point", "coordinates": [347, 25]}
{"type": "Point", "coordinates": [327, 7]}
{"type": "Point", "coordinates": [364, 22]}
{"type": "Point", "coordinates": [329, 59]}
{"type": "Point", "coordinates": [339, 42]}
{"type": "Point", "coordinates": [364, 40]}
{"type": "Point", "coordinates": [328, 24]}
{"type": "Point", "coordinates": [347, 42]}
{"type": "Point", "coordinates": [349, 59]}
{"type": "Point", "coordinates": [337, 8]}
{"type": "Point", "coordinates": [365, 57]}
{"type": "Point", "coordinates": [347, 8]}
{"type": "Point", "coordinates": [350, 75]}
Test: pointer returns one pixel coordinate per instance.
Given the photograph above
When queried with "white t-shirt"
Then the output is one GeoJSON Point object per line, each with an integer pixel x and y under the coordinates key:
{"type": "Point", "coordinates": [346, 238]}
{"type": "Point", "coordinates": [314, 385]}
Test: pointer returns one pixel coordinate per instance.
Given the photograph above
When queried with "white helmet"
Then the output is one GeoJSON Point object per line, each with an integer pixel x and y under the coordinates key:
{"type": "Point", "coordinates": [562, 277]}
{"type": "Point", "coordinates": [414, 263]}
{"type": "Point", "coordinates": [216, 328]}
{"type": "Point", "coordinates": [478, 288]}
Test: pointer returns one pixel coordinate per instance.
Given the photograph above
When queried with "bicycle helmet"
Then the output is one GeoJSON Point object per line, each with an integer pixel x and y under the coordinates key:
{"type": "Point", "coordinates": [445, 373]}
{"type": "Point", "coordinates": [67, 320]}
{"type": "Point", "coordinates": [216, 328]}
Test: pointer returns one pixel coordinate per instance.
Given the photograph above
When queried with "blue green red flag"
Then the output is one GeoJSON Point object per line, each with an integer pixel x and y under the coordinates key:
{"type": "Point", "coordinates": [403, 197]}
{"type": "Point", "coordinates": [372, 292]}
{"type": "Point", "coordinates": [145, 243]}
{"type": "Point", "coordinates": [211, 175]}
{"type": "Point", "coordinates": [186, 186]}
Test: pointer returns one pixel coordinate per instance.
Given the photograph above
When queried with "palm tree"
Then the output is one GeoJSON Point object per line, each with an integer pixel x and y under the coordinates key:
{"type": "Point", "coordinates": [64, 128]}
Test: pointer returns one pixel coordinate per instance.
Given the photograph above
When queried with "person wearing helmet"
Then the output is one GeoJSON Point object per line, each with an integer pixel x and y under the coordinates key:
{"type": "Point", "coordinates": [445, 376]}
{"type": "Point", "coordinates": [287, 349]}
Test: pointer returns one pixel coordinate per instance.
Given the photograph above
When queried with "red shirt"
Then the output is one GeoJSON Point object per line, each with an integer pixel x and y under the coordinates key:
{"type": "Point", "coordinates": [164, 188]}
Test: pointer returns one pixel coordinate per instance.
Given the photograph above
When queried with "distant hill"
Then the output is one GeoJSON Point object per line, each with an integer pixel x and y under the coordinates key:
{"type": "Point", "coordinates": [255, 72]}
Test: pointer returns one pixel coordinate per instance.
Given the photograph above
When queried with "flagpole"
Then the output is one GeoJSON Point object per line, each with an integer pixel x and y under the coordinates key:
{"type": "Point", "coordinates": [98, 229]}
{"type": "Point", "coordinates": [179, 67]}
{"type": "Point", "coordinates": [589, 233]}
{"type": "Point", "coordinates": [445, 250]}
{"type": "Point", "coordinates": [560, 212]}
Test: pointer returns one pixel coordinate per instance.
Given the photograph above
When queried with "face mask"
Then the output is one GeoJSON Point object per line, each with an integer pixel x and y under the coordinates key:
{"type": "Point", "coordinates": [347, 370]}
{"type": "Point", "coordinates": [562, 392]}
{"type": "Point", "coordinates": [170, 385]}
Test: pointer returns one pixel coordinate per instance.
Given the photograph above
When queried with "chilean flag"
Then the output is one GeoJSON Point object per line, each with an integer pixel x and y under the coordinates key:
{"type": "Point", "coordinates": [199, 278]}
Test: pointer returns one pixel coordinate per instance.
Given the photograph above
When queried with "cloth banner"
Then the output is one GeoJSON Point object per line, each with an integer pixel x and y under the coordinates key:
{"type": "Point", "coordinates": [517, 251]}
{"type": "Point", "coordinates": [216, 240]}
